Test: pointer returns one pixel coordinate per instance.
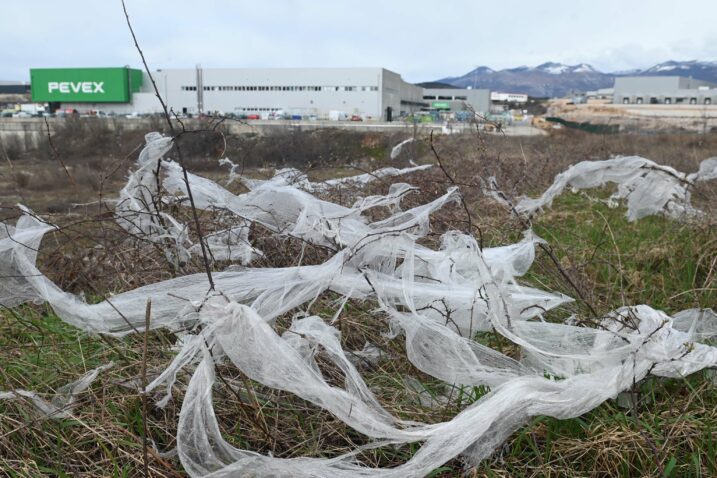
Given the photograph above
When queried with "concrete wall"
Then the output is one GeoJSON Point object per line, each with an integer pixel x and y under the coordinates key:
{"type": "Point", "coordinates": [142, 102]}
{"type": "Point", "coordinates": [403, 98]}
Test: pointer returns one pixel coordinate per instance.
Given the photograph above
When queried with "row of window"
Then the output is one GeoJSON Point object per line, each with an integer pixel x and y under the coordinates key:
{"type": "Point", "coordinates": [282, 88]}
{"type": "Point", "coordinates": [258, 109]}
{"type": "Point", "coordinates": [449, 98]}
{"type": "Point", "coordinates": [667, 101]}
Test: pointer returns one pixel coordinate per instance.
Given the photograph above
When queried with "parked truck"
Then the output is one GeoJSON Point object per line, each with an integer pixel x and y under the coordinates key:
{"type": "Point", "coordinates": [33, 109]}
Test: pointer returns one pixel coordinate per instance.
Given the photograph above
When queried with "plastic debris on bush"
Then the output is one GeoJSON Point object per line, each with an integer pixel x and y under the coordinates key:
{"type": "Point", "coordinates": [649, 188]}
{"type": "Point", "coordinates": [396, 150]}
{"type": "Point", "coordinates": [435, 299]}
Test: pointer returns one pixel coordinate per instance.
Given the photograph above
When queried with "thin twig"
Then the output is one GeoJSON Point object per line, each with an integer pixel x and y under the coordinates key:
{"type": "Point", "coordinates": [167, 117]}
{"type": "Point", "coordinates": [57, 155]}
{"type": "Point", "coordinates": [463, 200]}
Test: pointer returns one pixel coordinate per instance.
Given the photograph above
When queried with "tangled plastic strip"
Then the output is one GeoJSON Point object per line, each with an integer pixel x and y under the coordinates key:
{"type": "Point", "coordinates": [63, 401]}
{"type": "Point", "coordinates": [648, 187]}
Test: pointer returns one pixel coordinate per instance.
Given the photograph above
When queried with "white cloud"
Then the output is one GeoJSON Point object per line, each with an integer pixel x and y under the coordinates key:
{"type": "Point", "coordinates": [422, 40]}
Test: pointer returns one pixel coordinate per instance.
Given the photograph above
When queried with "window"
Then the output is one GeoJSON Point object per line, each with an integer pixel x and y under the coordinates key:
{"type": "Point", "coordinates": [460, 98]}
{"type": "Point", "coordinates": [445, 97]}
{"type": "Point", "coordinates": [374, 88]}
{"type": "Point", "coordinates": [433, 97]}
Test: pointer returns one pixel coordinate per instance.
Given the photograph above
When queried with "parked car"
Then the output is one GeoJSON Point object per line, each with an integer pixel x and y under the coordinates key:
{"type": "Point", "coordinates": [356, 118]}
{"type": "Point", "coordinates": [253, 117]}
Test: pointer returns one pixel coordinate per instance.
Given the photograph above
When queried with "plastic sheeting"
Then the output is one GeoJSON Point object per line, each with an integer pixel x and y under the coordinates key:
{"type": "Point", "coordinates": [63, 401]}
{"type": "Point", "coordinates": [434, 298]}
{"type": "Point", "coordinates": [294, 177]}
{"type": "Point", "coordinates": [648, 187]}
{"type": "Point", "coordinates": [396, 151]}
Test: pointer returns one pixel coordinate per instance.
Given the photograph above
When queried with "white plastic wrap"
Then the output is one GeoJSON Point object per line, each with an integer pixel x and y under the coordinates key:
{"type": "Point", "coordinates": [63, 401]}
{"type": "Point", "coordinates": [396, 151]}
{"type": "Point", "coordinates": [648, 187]}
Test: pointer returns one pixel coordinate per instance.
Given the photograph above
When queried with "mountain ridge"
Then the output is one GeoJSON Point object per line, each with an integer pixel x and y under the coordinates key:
{"type": "Point", "coordinates": [552, 79]}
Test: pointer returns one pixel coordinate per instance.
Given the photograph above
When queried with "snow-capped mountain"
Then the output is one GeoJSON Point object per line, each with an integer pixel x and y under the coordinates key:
{"type": "Point", "coordinates": [556, 79]}
{"type": "Point", "coordinates": [559, 68]}
{"type": "Point", "coordinates": [697, 69]}
{"type": "Point", "coordinates": [548, 79]}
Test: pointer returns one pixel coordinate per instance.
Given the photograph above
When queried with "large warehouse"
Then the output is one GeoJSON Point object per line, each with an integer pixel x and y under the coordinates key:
{"type": "Point", "coordinates": [324, 93]}
{"type": "Point", "coordinates": [663, 90]}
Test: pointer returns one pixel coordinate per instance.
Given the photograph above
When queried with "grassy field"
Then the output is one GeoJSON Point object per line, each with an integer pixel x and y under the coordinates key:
{"type": "Point", "coordinates": [663, 427]}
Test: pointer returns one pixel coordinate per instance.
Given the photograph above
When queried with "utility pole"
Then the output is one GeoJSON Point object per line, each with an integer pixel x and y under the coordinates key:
{"type": "Point", "coordinates": [200, 90]}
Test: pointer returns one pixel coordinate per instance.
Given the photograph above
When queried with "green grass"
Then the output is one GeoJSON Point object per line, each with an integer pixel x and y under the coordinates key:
{"type": "Point", "coordinates": [671, 430]}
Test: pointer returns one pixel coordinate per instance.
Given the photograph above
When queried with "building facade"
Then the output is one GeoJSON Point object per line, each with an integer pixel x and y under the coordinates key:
{"type": "Point", "coordinates": [370, 93]}
{"type": "Point", "coordinates": [498, 97]}
{"type": "Point", "coordinates": [457, 99]}
{"type": "Point", "coordinates": [663, 90]}
{"type": "Point", "coordinates": [321, 93]}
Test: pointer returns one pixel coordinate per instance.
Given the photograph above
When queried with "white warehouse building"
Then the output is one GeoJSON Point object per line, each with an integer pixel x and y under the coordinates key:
{"type": "Point", "coordinates": [321, 93]}
{"type": "Point", "coordinates": [372, 93]}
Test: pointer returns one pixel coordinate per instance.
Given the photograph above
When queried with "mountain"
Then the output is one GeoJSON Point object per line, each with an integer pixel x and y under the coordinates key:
{"type": "Point", "coordinates": [700, 70]}
{"type": "Point", "coordinates": [435, 84]}
{"type": "Point", "coordinates": [556, 79]}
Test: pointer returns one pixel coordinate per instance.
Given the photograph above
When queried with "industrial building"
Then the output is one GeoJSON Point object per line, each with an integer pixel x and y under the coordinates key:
{"type": "Point", "coordinates": [457, 99]}
{"type": "Point", "coordinates": [663, 90]}
{"type": "Point", "coordinates": [14, 88]}
{"type": "Point", "coordinates": [321, 93]}
{"type": "Point", "coordinates": [498, 97]}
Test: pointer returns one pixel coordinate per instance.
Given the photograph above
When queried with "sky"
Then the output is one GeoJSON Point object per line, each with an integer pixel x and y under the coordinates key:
{"type": "Point", "coordinates": [421, 40]}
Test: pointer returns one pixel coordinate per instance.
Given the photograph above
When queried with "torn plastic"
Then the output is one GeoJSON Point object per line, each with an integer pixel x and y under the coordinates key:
{"type": "Point", "coordinates": [63, 401]}
{"type": "Point", "coordinates": [296, 178]}
{"type": "Point", "coordinates": [648, 187]}
{"type": "Point", "coordinates": [396, 150]}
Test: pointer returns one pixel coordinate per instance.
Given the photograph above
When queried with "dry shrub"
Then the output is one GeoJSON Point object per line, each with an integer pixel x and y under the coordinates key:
{"type": "Point", "coordinates": [22, 179]}
{"type": "Point", "coordinates": [11, 147]}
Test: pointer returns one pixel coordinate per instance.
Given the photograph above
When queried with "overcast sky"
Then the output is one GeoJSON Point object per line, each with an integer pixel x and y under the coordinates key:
{"type": "Point", "coordinates": [421, 40]}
